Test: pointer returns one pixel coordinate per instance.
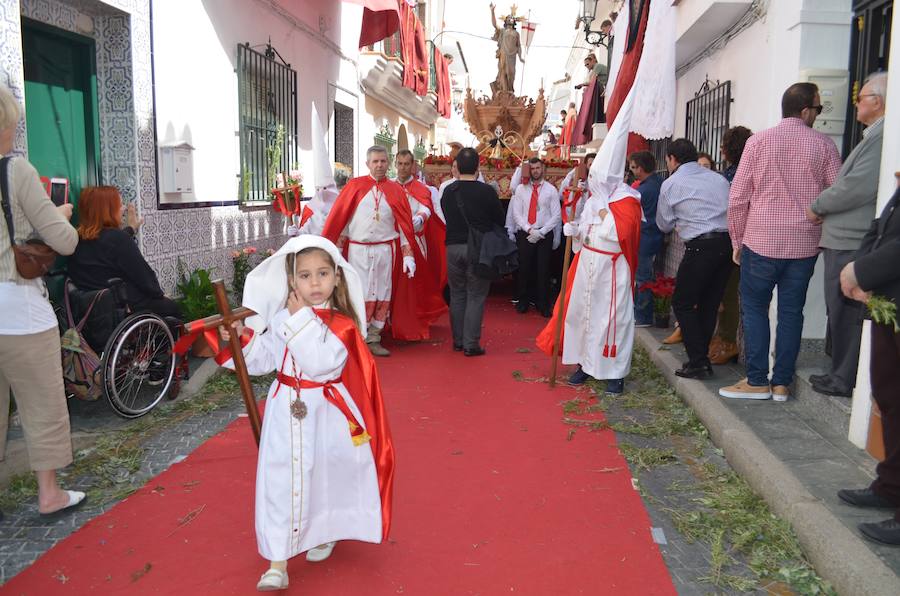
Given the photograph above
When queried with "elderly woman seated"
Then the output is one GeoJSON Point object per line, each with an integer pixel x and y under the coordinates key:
{"type": "Point", "coordinates": [107, 251]}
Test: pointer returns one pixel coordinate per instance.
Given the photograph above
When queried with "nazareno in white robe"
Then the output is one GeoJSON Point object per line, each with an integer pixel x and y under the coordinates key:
{"type": "Point", "coordinates": [589, 327]}
{"type": "Point", "coordinates": [312, 484]}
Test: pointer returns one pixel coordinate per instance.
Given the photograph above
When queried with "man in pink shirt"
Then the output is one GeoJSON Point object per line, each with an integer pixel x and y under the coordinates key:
{"type": "Point", "coordinates": [782, 171]}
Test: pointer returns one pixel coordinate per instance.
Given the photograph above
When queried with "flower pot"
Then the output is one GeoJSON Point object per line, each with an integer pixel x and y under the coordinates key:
{"type": "Point", "coordinates": [201, 348]}
{"type": "Point", "coordinates": [661, 321]}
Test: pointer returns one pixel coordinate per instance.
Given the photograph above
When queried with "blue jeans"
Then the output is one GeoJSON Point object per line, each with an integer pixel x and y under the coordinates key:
{"type": "Point", "coordinates": [643, 301]}
{"type": "Point", "coordinates": [759, 277]}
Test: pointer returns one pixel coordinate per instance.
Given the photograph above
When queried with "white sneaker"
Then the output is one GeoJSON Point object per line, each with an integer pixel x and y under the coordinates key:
{"type": "Point", "coordinates": [272, 580]}
{"type": "Point", "coordinates": [744, 390]}
{"type": "Point", "coordinates": [780, 393]}
{"type": "Point", "coordinates": [320, 553]}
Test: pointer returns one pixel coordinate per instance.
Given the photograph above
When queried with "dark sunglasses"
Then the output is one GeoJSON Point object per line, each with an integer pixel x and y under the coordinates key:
{"type": "Point", "coordinates": [818, 109]}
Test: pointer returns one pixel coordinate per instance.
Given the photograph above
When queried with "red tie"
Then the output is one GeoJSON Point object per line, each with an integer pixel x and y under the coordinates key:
{"type": "Point", "coordinates": [532, 208]}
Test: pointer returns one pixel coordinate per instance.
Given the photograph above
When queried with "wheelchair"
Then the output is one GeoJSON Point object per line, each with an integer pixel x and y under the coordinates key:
{"type": "Point", "coordinates": [137, 366]}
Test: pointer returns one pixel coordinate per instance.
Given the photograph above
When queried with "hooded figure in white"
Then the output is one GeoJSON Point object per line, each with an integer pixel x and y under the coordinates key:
{"type": "Point", "coordinates": [599, 325]}
{"type": "Point", "coordinates": [314, 485]}
{"type": "Point", "coordinates": [315, 212]}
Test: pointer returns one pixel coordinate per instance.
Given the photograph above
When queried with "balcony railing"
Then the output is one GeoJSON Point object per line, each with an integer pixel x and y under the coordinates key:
{"type": "Point", "coordinates": [432, 67]}
{"type": "Point", "coordinates": [389, 46]}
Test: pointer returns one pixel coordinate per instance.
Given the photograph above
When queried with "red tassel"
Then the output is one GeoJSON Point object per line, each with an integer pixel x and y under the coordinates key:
{"type": "Point", "coordinates": [606, 351]}
{"type": "Point", "coordinates": [612, 353]}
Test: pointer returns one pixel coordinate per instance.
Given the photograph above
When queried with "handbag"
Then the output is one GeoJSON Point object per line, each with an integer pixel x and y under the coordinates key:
{"type": "Point", "coordinates": [491, 254]}
{"type": "Point", "coordinates": [33, 257]}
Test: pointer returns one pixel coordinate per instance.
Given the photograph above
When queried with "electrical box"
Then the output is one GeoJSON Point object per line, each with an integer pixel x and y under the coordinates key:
{"type": "Point", "coordinates": [834, 91]}
{"type": "Point", "coordinates": [176, 168]}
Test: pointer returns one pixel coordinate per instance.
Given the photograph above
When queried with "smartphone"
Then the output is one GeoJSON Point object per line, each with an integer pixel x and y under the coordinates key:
{"type": "Point", "coordinates": [59, 191]}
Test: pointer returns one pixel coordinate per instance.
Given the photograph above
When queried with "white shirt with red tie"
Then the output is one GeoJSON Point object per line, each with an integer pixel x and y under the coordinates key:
{"type": "Point", "coordinates": [546, 214]}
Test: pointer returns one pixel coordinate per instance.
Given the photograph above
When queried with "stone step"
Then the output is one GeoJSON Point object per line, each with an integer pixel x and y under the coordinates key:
{"type": "Point", "coordinates": [830, 410]}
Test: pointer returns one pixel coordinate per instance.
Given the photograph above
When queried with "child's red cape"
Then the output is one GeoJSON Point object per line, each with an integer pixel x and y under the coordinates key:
{"type": "Point", "coordinates": [435, 233]}
{"type": "Point", "coordinates": [628, 215]}
{"type": "Point", "coordinates": [416, 302]}
{"type": "Point", "coordinates": [360, 377]}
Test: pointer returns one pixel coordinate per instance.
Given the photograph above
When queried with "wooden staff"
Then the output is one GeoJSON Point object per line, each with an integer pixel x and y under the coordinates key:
{"type": "Point", "coordinates": [561, 301]}
{"type": "Point", "coordinates": [226, 318]}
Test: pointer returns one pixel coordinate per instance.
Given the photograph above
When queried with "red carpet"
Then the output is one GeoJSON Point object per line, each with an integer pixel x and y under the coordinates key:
{"type": "Point", "coordinates": [491, 498]}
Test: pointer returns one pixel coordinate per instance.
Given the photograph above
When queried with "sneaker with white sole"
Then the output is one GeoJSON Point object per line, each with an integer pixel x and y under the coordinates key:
{"type": "Point", "coordinates": [780, 393]}
{"type": "Point", "coordinates": [744, 390]}
{"type": "Point", "coordinates": [273, 579]}
{"type": "Point", "coordinates": [320, 553]}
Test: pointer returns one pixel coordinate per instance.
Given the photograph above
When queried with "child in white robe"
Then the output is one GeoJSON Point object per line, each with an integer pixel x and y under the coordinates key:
{"type": "Point", "coordinates": [317, 478]}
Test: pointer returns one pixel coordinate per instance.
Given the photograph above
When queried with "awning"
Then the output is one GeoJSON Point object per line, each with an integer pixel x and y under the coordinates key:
{"type": "Point", "coordinates": [381, 19]}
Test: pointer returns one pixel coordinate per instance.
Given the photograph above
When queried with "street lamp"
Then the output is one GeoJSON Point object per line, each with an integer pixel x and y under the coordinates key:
{"type": "Point", "coordinates": [588, 12]}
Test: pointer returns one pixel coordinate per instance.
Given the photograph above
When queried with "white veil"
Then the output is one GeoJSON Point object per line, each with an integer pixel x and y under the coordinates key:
{"type": "Point", "coordinates": [266, 288]}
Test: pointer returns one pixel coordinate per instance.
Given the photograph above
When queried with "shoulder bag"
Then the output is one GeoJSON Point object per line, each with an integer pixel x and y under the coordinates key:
{"type": "Point", "coordinates": [491, 254]}
{"type": "Point", "coordinates": [33, 257]}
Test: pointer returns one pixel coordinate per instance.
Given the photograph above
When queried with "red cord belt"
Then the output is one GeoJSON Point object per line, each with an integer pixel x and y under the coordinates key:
{"type": "Point", "coordinates": [357, 432]}
{"type": "Point", "coordinates": [610, 351]}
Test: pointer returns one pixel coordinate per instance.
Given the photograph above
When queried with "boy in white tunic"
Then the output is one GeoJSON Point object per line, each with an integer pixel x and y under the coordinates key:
{"type": "Point", "coordinates": [325, 464]}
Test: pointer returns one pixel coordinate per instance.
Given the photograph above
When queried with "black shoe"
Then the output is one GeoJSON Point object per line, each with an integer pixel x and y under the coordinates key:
{"type": "Point", "coordinates": [522, 307]}
{"type": "Point", "coordinates": [830, 387]}
{"type": "Point", "coordinates": [818, 379]}
{"type": "Point", "coordinates": [864, 497]}
{"type": "Point", "coordinates": [615, 387]}
{"type": "Point", "coordinates": [457, 348]}
{"type": "Point", "coordinates": [689, 371]}
{"type": "Point", "coordinates": [885, 532]}
{"type": "Point", "coordinates": [479, 351]}
{"type": "Point", "coordinates": [579, 377]}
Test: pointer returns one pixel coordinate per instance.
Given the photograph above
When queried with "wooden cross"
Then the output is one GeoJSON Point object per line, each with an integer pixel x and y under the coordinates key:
{"type": "Point", "coordinates": [226, 318]}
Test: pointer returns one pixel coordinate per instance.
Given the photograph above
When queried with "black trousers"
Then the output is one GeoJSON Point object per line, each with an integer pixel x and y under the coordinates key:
{"type": "Point", "coordinates": [699, 288]}
{"type": "Point", "coordinates": [534, 263]}
{"type": "Point", "coordinates": [164, 307]}
{"type": "Point", "coordinates": [885, 377]}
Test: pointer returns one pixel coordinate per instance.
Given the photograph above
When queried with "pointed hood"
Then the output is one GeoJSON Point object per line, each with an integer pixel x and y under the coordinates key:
{"type": "Point", "coordinates": [323, 172]}
{"type": "Point", "coordinates": [607, 174]}
{"type": "Point", "coordinates": [266, 288]}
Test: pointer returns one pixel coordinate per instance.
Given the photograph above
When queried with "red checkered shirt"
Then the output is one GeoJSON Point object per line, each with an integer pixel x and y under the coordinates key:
{"type": "Point", "coordinates": [782, 171]}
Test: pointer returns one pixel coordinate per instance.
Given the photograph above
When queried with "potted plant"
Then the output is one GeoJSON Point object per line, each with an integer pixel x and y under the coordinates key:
{"type": "Point", "coordinates": [662, 289]}
{"type": "Point", "coordinates": [243, 262]}
{"type": "Point", "coordinates": [197, 301]}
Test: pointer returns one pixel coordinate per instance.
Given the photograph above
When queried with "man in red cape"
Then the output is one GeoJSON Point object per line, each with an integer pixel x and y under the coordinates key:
{"type": "Point", "coordinates": [430, 230]}
{"type": "Point", "coordinates": [372, 223]}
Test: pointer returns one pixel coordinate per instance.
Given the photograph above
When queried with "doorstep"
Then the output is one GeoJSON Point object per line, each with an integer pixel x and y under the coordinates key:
{"type": "Point", "coordinates": [795, 457]}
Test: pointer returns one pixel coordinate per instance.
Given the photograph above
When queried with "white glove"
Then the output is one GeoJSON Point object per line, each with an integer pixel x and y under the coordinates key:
{"type": "Point", "coordinates": [409, 266]}
{"type": "Point", "coordinates": [570, 228]}
{"type": "Point", "coordinates": [534, 237]}
{"type": "Point", "coordinates": [512, 235]}
{"type": "Point", "coordinates": [293, 231]}
{"type": "Point", "coordinates": [418, 223]}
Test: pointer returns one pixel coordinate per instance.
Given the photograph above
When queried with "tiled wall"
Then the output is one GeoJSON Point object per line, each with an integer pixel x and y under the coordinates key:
{"type": "Point", "coordinates": [200, 237]}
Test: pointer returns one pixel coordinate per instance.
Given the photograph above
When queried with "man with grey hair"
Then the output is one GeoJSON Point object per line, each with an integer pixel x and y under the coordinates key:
{"type": "Point", "coordinates": [846, 210]}
{"type": "Point", "coordinates": [371, 218]}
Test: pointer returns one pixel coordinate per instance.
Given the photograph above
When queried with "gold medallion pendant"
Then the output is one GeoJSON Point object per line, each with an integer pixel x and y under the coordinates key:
{"type": "Point", "coordinates": [298, 409]}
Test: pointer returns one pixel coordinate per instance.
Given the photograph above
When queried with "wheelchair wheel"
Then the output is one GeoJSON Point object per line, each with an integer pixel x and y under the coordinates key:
{"type": "Point", "coordinates": [138, 365]}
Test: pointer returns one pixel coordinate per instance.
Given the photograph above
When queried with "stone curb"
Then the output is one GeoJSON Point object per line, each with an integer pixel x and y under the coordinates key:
{"type": "Point", "coordinates": [838, 553]}
{"type": "Point", "coordinates": [16, 460]}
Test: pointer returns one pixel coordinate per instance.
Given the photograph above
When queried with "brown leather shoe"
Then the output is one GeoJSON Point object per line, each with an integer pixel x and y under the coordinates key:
{"type": "Point", "coordinates": [727, 352]}
{"type": "Point", "coordinates": [675, 338]}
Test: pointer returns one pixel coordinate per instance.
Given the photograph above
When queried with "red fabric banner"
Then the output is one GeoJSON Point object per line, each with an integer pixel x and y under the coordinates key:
{"type": "Point", "coordinates": [443, 83]}
{"type": "Point", "coordinates": [413, 51]}
{"type": "Point", "coordinates": [381, 18]}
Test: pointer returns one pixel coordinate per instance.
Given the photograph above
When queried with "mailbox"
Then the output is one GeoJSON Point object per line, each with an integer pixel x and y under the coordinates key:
{"type": "Point", "coordinates": [176, 168]}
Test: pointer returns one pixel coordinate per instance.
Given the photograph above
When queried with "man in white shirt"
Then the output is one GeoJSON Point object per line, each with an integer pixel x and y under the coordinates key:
{"type": "Point", "coordinates": [536, 215]}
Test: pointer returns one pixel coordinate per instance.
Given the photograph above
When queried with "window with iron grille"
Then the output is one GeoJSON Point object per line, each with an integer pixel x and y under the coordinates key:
{"type": "Point", "coordinates": [707, 118]}
{"type": "Point", "coordinates": [267, 107]}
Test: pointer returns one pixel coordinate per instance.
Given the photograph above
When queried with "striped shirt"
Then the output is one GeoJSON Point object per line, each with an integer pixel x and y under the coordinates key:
{"type": "Point", "coordinates": [782, 171]}
{"type": "Point", "coordinates": [693, 201]}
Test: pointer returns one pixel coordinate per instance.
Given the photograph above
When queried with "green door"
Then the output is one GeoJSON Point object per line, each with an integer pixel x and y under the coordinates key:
{"type": "Point", "coordinates": [61, 105]}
